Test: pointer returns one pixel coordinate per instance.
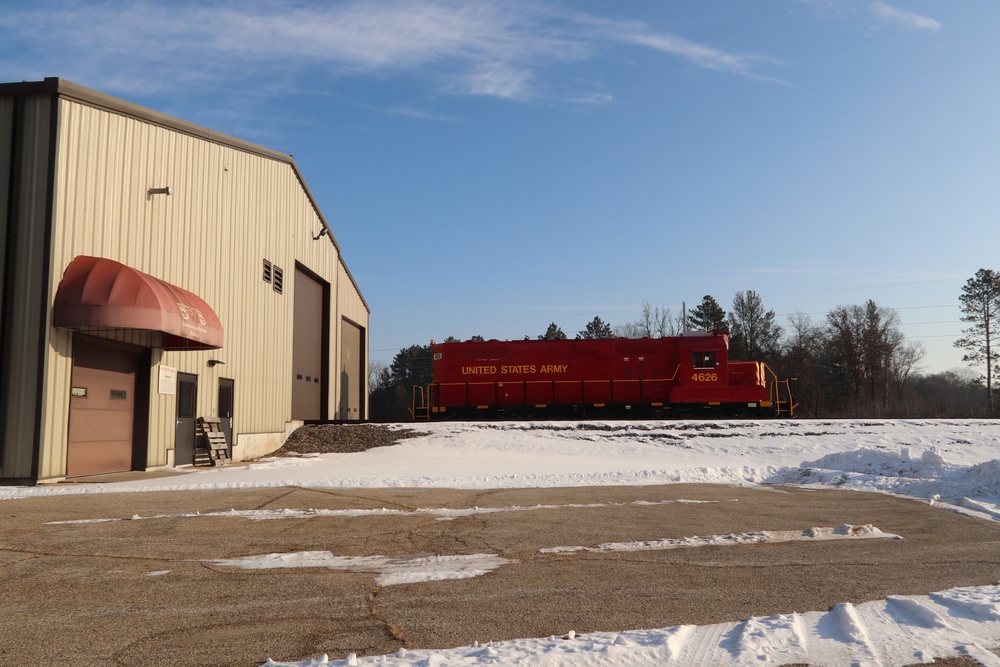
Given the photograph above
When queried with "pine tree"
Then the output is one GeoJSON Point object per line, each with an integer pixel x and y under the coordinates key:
{"type": "Point", "coordinates": [392, 388]}
{"type": "Point", "coordinates": [708, 315]}
{"type": "Point", "coordinates": [596, 328]}
{"type": "Point", "coordinates": [980, 304]}
{"type": "Point", "coordinates": [554, 332]}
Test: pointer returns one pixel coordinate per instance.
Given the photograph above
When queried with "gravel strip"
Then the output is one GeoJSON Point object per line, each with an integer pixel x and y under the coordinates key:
{"type": "Point", "coordinates": [342, 438]}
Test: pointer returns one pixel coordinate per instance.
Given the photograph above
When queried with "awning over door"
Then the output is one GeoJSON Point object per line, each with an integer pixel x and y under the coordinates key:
{"type": "Point", "coordinates": [98, 293]}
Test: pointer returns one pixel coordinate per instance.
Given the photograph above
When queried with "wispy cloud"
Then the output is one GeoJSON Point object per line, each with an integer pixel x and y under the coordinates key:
{"type": "Point", "coordinates": [503, 49]}
{"type": "Point", "coordinates": [499, 79]}
{"type": "Point", "coordinates": [409, 111]}
{"type": "Point", "coordinates": [884, 13]}
{"type": "Point", "coordinates": [701, 55]}
{"type": "Point", "coordinates": [904, 19]}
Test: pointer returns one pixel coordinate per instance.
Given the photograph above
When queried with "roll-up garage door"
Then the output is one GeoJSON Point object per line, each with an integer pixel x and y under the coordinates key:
{"type": "Point", "coordinates": [102, 408]}
{"type": "Point", "coordinates": [309, 343]}
{"type": "Point", "coordinates": [352, 375]}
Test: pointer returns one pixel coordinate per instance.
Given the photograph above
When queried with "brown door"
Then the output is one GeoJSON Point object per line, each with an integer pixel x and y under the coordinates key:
{"type": "Point", "coordinates": [309, 348]}
{"type": "Point", "coordinates": [352, 372]}
{"type": "Point", "coordinates": [187, 407]}
{"type": "Point", "coordinates": [102, 409]}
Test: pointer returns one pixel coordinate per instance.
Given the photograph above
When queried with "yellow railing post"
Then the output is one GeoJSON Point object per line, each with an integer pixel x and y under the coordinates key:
{"type": "Point", "coordinates": [782, 405]}
{"type": "Point", "coordinates": [420, 410]}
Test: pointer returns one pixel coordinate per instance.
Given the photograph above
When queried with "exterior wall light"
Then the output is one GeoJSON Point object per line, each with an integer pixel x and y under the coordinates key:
{"type": "Point", "coordinates": [159, 191]}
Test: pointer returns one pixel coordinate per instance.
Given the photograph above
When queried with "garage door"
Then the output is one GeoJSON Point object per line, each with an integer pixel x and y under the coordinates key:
{"type": "Point", "coordinates": [309, 342]}
{"type": "Point", "coordinates": [352, 372]}
{"type": "Point", "coordinates": [102, 409]}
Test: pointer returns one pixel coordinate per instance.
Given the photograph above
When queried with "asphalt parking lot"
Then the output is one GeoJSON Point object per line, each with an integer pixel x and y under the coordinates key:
{"type": "Point", "coordinates": [129, 592]}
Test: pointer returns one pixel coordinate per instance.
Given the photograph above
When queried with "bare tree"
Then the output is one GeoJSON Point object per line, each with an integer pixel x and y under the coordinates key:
{"type": "Point", "coordinates": [864, 344]}
{"type": "Point", "coordinates": [803, 348]}
{"type": "Point", "coordinates": [954, 393]}
{"type": "Point", "coordinates": [881, 338]}
{"type": "Point", "coordinates": [905, 364]}
{"type": "Point", "coordinates": [659, 321]}
{"type": "Point", "coordinates": [378, 375]}
{"type": "Point", "coordinates": [655, 322]}
{"type": "Point", "coordinates": [842, 358]}
{"type": "Point", "coordinates": [754, 335]}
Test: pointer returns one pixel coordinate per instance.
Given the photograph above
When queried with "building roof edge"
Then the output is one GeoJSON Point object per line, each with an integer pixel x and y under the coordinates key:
{"type": "Point", "coordinates": [89, 96]}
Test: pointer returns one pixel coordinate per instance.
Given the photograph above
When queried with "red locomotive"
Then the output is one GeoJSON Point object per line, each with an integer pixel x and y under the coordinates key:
{"type": "Point", "coordinates": [599, 377]}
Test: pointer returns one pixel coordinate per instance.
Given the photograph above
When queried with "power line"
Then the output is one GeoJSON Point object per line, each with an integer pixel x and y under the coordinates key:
{"type": "Point", "coordinates": [481, 325]}
{"type": "Point", "coordinates": [911, 324]}
{"type": "Point", "coordinates": [849, 289]}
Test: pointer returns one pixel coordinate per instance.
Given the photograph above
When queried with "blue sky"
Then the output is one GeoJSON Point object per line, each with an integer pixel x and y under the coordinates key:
{"type": "Point", "coordinates": [490, 167]}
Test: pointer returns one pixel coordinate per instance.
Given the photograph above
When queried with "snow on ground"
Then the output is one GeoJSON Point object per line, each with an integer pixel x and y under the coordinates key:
{"type": "Point", "coordinates": [953, 463]}
{"type": "Point", "coordinates": [896, 631]}
{"type": "Point", "coordinates": [391, 571]}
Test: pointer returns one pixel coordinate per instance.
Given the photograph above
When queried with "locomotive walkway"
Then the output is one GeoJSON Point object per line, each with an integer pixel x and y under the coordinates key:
{"type": "Point", "coordinates": [133, 578]}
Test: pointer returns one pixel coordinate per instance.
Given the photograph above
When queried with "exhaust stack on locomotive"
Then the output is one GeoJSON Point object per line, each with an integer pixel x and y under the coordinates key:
{"type": "Point", "coordinates": [688, 375]}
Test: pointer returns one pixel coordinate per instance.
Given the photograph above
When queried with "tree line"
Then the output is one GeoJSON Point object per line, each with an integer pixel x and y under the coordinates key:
{"type": "Point", "coordinates": [854, 362]}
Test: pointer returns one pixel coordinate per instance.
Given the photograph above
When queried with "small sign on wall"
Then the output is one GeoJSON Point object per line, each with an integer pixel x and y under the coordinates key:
{"type": "Point", "coordinates": [168, 380]}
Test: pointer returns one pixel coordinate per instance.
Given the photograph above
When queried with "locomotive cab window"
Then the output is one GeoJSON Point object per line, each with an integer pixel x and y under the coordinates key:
{"type": "Point", "coordinates": [704, 359]}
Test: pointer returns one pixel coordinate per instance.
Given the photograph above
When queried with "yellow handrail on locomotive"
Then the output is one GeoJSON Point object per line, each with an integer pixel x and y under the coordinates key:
{"type": "Point", "coordinates": [774, 387]}
{"type": "Point", "coordinates": [423, 410]}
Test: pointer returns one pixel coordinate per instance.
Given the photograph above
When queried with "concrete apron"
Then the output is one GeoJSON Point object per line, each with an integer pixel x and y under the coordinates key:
{"type": "Point", "coordinates": [129, 592]}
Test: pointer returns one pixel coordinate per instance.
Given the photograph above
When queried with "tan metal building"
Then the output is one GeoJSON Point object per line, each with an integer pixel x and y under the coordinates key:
{"type": "Point", "coordinates": [155, 272]}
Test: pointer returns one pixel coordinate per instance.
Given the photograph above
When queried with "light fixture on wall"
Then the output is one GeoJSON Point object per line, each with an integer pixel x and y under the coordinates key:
{"type": "Point", "coordinates": [323, 232]}
{"type": "Point", "coordinates": [215, 362]}
{"type": "Point", "coordinates": [159, 191]}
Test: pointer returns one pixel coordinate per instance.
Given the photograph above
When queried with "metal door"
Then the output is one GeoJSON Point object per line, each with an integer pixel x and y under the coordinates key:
{"type": "Point", "coordinates": [102, 409]}
{"type": "Point", "coordinates": [310, 358]}
{"type": "Point", "coordinates": [187, 408]}
{"type": "Point", "coordinates": [226, 389]}
{"type": "Point", "coordinates": [352, 375]}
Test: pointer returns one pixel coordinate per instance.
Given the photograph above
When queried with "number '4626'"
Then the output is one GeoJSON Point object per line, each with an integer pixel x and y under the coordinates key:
{"type": "Point", "coordinates": [705, 377]}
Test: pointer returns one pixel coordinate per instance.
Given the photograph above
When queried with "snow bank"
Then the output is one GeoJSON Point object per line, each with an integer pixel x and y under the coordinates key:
{"type": "Point", "coordinates": [896, 631]}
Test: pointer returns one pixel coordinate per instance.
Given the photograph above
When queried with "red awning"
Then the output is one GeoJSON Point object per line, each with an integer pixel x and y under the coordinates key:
{"type": "Point", "coordinates": [98, 293]}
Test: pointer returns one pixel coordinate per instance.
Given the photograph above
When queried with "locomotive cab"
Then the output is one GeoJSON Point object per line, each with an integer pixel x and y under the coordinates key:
{"type": "Point", "coordinates": [703, 369]}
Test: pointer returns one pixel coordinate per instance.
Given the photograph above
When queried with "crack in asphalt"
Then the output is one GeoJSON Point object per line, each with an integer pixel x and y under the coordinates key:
{"type": "Point", "coordinates": [339, 493]}
{"type": "Point", "coordinates": [391, 629]}
{"type": "Point", "coordinates": [275, 499]}
{"type": "Point", "coordinates": [56, 554]}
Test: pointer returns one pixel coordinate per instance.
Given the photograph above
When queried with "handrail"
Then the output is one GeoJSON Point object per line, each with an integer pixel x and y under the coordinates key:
{"type": "Point", "coordinates": [774, 392]}
{"type": "Point", "coordinates": [422, 411]}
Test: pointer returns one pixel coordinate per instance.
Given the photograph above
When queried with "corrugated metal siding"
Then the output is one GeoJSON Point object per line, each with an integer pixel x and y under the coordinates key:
{"type": "Point", "coordinates": [351, 307]}
{"type": "Point", "coordinates": [230, 209]}
{"type": "Point", "coordinates": [9, 451]}
{"type": "Point", "coordinates": [26, 271]}
{"type": "Point", "coordinates": [6, 153]}
{"type": "Point", "coordinates": [349, 299]}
